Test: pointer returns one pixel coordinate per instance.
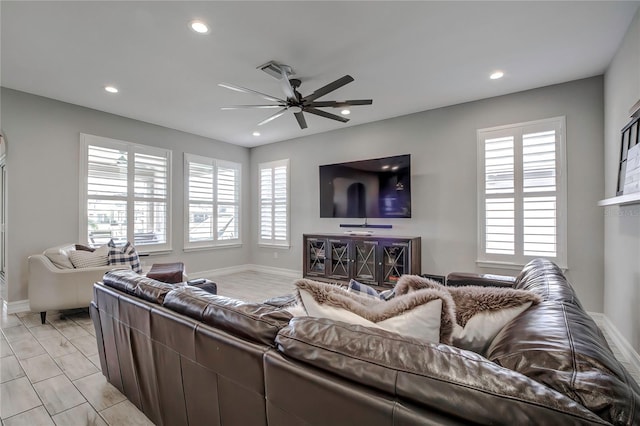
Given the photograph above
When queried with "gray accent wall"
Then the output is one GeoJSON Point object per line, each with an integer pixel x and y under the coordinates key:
{"type": "Point", "coordinates": [442, 144]}
{"type": "Point", "coordinates": [43, 150]}
{"type": "Point", "coordinates": [622, 224]}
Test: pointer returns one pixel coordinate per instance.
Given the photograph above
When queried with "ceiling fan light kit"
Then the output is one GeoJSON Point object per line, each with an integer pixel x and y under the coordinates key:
{"type": "Point", "coordinates": [294, 101]}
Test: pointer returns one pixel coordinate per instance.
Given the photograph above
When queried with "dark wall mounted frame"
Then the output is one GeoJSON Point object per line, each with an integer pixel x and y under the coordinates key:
{"type": "Point", "coordinates": [630, 138]}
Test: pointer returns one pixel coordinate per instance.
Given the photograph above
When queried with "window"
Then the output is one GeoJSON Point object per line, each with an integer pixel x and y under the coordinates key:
{"type": "Point", "coordinates": [274, 203]}
{"type": "Point", "coordinates": [522, 193]}
{"type": "Point", "coordinates": [125, 193]}
{"type": "Point", "coordinates": [212, 202]}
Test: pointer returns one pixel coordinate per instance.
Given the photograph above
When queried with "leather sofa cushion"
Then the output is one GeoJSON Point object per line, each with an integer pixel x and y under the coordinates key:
{"type": "Point", "coordinates": [559, 345]}
{"type": "Point", "coordinates": [457, 382]}
{"type": "Point", "coordinates": [253, 321]}
{"type": "Point", "coordinates": [137, 285]}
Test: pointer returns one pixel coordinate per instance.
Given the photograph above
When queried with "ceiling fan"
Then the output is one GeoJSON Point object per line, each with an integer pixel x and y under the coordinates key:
{"type": "Point", "coordinates": [293, 101]}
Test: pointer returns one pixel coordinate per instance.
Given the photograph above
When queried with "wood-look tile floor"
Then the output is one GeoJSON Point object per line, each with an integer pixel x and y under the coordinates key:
{"type": "Point", "coordinates": [50, 374]}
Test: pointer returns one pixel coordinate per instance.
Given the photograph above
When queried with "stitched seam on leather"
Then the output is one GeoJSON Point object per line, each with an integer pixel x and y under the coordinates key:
{"type": "Point", "coordinates": [574, 372]}
{"type": "Point", "coordinates": [462, 385]}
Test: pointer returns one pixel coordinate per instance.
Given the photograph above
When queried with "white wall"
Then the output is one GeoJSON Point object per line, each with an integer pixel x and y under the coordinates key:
{"type": "Point", "coordinates": [442, 144]}
{"type": "Point", "coordinates": [622, 224]}
{"type": "Point", "coordinates": [43, 182]}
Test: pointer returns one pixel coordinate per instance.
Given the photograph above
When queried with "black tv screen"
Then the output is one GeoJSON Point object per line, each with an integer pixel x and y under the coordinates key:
{"type": "Point", "coordinates": [377, 188]}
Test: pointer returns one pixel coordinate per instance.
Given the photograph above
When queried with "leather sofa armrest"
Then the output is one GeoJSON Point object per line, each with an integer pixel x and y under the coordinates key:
{"type": "Point", "coordinates": [429, 374]}
{"type": "Point", "coordinates": [458, 279]}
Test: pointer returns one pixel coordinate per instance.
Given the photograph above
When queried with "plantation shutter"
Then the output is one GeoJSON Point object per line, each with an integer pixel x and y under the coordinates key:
{"type": "Point", "coordinates": [539, 198]}
{"type": "Point", "coordinates": [150, 198]}
{"type": "Point", "coordinates": [228, 198]}
{"type": "Point", "coordinates": [274, 203]}
{"type": "Point", "coordinates": [500, 193]}
{"type": "Point", "coordinates": [200, 204]}
{"type": "Point", "coordinates": [213, 201]}
{"type": "Point", "coordinates": [522, 193]}
{"type": "Point", "coordinates": [125, 193]}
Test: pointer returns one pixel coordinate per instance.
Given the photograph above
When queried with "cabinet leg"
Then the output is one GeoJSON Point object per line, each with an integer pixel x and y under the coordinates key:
{"type": "Point", "coordinates": [43, 316]}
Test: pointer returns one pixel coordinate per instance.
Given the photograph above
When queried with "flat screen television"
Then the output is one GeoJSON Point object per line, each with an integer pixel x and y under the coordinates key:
{"type": "Point", "coordinates": [376, 188]}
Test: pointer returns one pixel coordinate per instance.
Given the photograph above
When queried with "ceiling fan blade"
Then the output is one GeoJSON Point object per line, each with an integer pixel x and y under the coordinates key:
{"type": "Point", "coordinates": [245, 90]}
{"type": "Point", "coordinates": [329, 88]}
{"type": "Point", "coordinates": [286, 85]}
{"type": "Point", "coordinates": [325, 114]}
{"type": "Point", "coordinates": [273, 117]}
{"type": "Point", "coordinates": [301, 121]}
{"type": "Point", "coordinates": [250, 107]}
{"type": "Point", "coordinates": [341, 104]}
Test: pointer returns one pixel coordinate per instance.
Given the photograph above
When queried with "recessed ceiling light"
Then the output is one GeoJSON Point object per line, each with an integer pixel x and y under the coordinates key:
{"type": "Point", "coordinates": [199, 27]}
{"type": "Point", "coordinates": [256, 133]}
{"type": "Point", "coordinates": [496, 75]}
{"type": "Point", "coordinates": [345, 112]}
{"type": "Point", "coordinates": [111, 89]}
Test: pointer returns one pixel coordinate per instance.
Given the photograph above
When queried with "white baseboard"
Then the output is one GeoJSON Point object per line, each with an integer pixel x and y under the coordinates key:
{"type": "Point", "coordinates": [288, 273]}
{"type": "Point", "coordinates": [618, 339]}
{"type": "Point", "coordinates": [16, 307]}
{"type": "Point", "coordinates": [285, 273]}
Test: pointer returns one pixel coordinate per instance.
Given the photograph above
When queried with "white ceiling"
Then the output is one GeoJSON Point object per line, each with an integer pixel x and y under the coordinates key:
{"type": "Point", "coordinates": [406, 56]}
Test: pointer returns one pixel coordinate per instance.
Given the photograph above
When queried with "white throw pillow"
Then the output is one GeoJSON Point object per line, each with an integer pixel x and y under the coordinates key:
{"type": "Point", "coordinates": [59, 256]}
{"type": "Point", "coordinates": [89, 259]}
{"type": "Point", "coordinates": [482, 328]}
{"type": "Point", "coordinates": [318, 310]}
{"type": "Point", "coordinates": [421, 321]}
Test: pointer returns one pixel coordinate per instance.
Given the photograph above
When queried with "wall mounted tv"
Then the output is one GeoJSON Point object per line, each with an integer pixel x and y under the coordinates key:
{"type": "Point", "coordinates": [376, 188]}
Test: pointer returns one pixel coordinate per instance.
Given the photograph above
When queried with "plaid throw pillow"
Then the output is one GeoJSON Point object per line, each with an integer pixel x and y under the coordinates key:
{"type": "Point", "coordinates": [365, 290]}
{"type": "Point", "coordinates": [362, 289]}
{"type": "Point", "coordinates": [126, 255]}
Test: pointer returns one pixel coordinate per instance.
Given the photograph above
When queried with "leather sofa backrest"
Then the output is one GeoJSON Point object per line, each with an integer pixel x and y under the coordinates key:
{"type": "Point", "coordinates": [137, 285]}
{"type": "Point", "coordinates": [547, 280]}
{"type": "Point", "coordinates": [559, 345]}
{"type": "Point", "coordinates": [176, 369]}
{"type": "Point", "coordinates": [253, 321]}
{"type": "Point", "coordinates": [459, 383]}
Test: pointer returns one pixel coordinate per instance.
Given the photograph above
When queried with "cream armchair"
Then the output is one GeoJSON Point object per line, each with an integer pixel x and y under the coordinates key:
{"type": "Point", "coordinates": [53, 288]}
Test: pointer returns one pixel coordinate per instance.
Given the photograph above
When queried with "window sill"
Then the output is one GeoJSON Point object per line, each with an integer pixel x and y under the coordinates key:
{"type": "Point", "coordinates": [215, 247]}
{"type": "Point", "coordinates": [275, 246]}
{"type": "Point", "coordinates": [154, 252]}
{"type": "Point", "coordinates": [499, 265]}
{"type": "Point", "coordinates": [509, 265]}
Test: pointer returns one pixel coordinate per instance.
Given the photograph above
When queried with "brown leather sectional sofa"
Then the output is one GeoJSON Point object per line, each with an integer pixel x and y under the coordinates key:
{"type": "Point", "coordinates": [186, 357]}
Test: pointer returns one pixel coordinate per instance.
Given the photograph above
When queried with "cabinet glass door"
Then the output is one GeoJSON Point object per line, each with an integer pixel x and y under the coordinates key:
{"type": "Point", "coordinates": [316, 256]}
{"type": "Point", "coordinates": [340, 262]}
{"type": "Point", "coordinates": [365, 265]}
{"type": "Point", "coordinates": [394, 262]}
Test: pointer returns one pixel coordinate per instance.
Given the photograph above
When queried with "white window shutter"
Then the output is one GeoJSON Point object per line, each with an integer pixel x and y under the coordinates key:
{"type": "Point", "coordinates": [522, 193]}
{"type": "Point", "coordinates": [539, 187]}
{"type": "Point", "coordinates": [212, 202]}
{"type": "Point", "coordinates": [125, 193]}
{"type": "Point", "coordinates": [274, 203]}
